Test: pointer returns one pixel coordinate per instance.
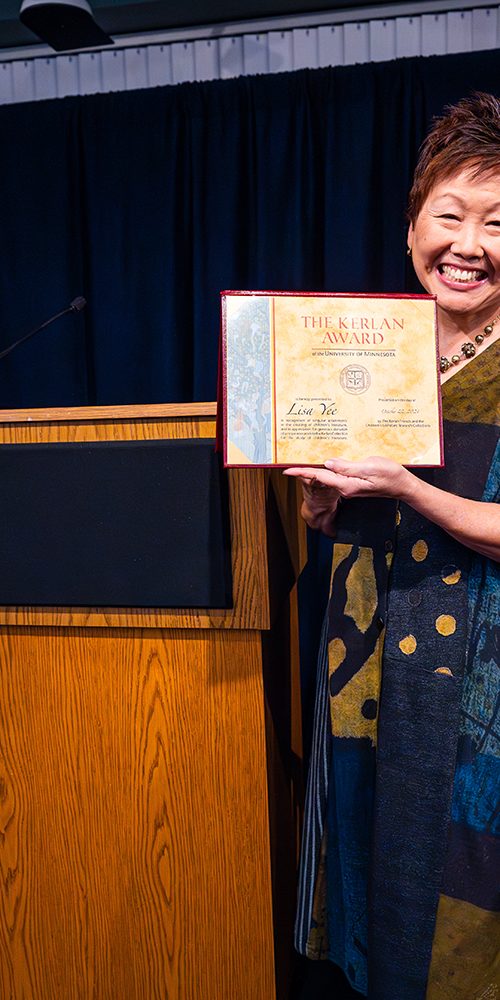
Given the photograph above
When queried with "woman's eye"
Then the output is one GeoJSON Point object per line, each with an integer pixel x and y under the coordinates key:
{"type": "Point", "coordinates": [448, 215]}
{"type": "Point", "coordinates": [494, 222]}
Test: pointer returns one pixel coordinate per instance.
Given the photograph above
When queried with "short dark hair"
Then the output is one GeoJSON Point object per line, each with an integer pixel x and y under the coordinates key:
{"type": "Point", "coordinates": [466, 135]}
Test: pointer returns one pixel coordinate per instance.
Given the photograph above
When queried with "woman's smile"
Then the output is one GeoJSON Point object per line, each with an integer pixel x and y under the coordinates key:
{"type": "Point", "coordinates": [460, 278]}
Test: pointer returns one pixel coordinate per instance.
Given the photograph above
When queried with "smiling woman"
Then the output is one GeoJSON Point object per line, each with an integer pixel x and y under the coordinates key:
{"type": "Point", "coordinates": [457, 257]}
{"type": "Point", "coordinates": [401, 846]}
{"type": "Point", "coordinates": [454, 233]}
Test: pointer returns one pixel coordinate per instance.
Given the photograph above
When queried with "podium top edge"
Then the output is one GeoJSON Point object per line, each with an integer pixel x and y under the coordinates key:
{"type": "Point", "coordinates": [147, 412]}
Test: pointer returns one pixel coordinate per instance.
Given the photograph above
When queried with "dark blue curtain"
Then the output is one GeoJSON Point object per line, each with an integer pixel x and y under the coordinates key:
{"type": "Point", "coordinates": [149, 203]}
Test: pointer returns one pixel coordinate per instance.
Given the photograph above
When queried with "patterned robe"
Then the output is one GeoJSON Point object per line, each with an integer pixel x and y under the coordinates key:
{"type": "Point", "coordinates": [400, 869]}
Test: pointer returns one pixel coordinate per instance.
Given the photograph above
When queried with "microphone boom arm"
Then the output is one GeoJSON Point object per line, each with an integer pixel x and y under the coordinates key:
{"type": "Point", "coordinates": [75, 306]}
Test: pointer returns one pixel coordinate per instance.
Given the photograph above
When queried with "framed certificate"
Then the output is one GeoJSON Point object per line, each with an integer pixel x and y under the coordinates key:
{"type": "Point", "coordinates": [308, 377]}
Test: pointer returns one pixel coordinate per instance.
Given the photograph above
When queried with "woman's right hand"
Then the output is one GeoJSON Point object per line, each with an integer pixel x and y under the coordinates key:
{"type": "Point", "coordinates": [319, 505]}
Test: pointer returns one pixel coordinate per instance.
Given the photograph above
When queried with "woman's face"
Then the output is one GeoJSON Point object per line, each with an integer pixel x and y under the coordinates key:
{"type": "Point", "coordinates": [455, 244]}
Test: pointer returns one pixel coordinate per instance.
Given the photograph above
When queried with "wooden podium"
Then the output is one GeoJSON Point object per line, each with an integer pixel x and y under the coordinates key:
{"type": "Point", "coordinates": [150, 763]}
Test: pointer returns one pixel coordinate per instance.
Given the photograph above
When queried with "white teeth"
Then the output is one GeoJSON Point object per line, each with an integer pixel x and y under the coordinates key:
{"type": "Point", "coordinates": [455, 274]}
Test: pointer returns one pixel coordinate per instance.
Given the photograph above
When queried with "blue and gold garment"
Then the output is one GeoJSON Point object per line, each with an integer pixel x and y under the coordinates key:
{"type": "Point", "coordinates": [400, 869]}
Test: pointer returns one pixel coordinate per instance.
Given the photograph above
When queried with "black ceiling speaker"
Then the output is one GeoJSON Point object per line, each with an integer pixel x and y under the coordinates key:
{"type": "Point", "coordinates": [63, 24]}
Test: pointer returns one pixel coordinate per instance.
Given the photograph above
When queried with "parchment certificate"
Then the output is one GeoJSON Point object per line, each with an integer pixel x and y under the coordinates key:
{"type": "Point", "coordinates": [306, 377]}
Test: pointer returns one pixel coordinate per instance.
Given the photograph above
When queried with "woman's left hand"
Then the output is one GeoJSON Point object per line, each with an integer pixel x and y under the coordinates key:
{"type": "Point", "coordinates": [372, 477]}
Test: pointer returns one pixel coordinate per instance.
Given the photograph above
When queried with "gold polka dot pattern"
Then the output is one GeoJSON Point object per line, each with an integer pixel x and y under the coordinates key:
{"type": "Point", "coordinates": [452, 577]}
{"type": "Point", "coordinates": [444, 670]}
{"type": "Point", "coordinates": [420, 550]}
{"type": "Point", "coordinates": [446, 624]}
{"type": "Point", "coordinates": [408, 645]}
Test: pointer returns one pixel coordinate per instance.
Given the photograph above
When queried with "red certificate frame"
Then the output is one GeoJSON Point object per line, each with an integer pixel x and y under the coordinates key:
{"type": "Point", "coordinates": [308, 376]}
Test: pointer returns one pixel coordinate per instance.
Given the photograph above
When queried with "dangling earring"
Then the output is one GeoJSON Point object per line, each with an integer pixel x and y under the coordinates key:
{"type": "Point", "coordinates": [408, 252]}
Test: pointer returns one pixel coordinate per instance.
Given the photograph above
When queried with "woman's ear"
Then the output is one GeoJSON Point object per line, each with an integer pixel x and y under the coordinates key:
{"type": "Point", "coordinates": [409, 238]}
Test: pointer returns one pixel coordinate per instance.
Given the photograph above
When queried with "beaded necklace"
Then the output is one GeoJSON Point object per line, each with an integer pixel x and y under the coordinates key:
{"type": "Point", "coordinates": [468, 350]}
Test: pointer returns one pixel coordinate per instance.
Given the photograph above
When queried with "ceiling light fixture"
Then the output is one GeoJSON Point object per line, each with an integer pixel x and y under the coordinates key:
{"type": "Point", "coordinates": [63, 24]}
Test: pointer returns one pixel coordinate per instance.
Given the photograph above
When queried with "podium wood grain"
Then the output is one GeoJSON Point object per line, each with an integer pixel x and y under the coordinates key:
{"type": "Point", "coordinates": [133, 817]}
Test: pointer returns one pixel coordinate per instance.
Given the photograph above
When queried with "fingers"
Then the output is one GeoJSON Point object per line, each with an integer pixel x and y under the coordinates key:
{"type": "Point", "coordinates": [318, 477]}
{"type": "Point", "coordinates": [301, 472]}
{"type": "Point", "coordinates": [372, 465]}
{"type": "Point", "coordinates": [336, 466]}
{"type": "Point", "coordinates": [348, 479]}
{"type": "Point", "coordinates": [373, 476]}
{"type": "Point", "coordinates": [344, 467]}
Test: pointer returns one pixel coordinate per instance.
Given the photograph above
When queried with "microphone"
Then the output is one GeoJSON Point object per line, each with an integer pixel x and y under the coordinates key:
{"type": "Point", "coordinates": [75, 306]}
{"type": "Point", "coordinates": [78, 304]}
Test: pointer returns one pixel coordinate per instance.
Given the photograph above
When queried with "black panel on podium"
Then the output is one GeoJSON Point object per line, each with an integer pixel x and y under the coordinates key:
{"type": "Point", "coordinates": [114, 524]}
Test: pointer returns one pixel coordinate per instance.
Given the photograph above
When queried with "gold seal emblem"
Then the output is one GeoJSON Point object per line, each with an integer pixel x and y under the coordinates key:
{"type": "Point", "coordinates": [355, 379]}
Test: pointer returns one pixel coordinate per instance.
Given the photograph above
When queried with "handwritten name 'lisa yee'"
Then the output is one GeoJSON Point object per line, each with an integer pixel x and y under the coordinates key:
{"type": "Point", "coordinates": [325, 408]}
